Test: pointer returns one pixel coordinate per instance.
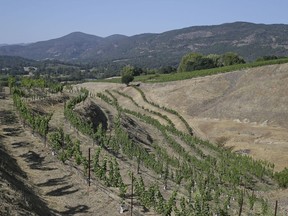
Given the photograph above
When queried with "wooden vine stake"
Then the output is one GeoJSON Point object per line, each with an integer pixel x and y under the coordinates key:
{"type": "Point", "coordinates": [276, 207]}
{"type": "Point", "coordinates": [132, 182]}
{"type": "Point", "coordinates": [89, 161]}
{"type": "Point", "coordinates": [241, 203]}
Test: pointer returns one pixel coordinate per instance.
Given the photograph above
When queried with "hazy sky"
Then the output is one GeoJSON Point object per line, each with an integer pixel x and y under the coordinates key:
{"type": "Point", "coordinates": [37, 20]}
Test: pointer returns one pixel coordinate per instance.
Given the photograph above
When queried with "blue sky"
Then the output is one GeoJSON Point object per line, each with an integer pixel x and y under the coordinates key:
{"type": "Point", "coordinates": [23, 21]}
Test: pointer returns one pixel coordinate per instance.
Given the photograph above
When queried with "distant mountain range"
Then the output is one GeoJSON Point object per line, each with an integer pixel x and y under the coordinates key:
{"type": "Point", "coordinates": [155, 50]}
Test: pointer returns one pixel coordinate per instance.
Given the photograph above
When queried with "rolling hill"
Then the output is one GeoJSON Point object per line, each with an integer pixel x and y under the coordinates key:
{"type": "Point", "coordinates": [155, 50]}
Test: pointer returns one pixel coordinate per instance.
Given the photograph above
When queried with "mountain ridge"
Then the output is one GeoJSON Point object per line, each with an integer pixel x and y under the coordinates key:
{"type": "Point", "coordinates": [160, 49]}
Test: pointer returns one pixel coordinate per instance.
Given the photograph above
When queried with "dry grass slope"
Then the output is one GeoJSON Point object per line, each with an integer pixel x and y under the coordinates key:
{"type": "Point", "coordinates": [247, 107]}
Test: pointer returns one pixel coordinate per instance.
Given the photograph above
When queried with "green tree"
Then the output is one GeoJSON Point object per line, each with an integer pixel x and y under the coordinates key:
{"type": "Point", "coordinates": [231, 58]}
{"type": "Point", "coordinates": [195, 61]}
{"type": "Point", "coordinates": [127, 74]}
{"type": "Point", "coordinates": [128, 69]}
{"type": "Point", "coordinates": [137, 71]}
{"type": "Point", "coordinates": [188, 61]}
{"type": "Point", "coordinates": [217, 59]}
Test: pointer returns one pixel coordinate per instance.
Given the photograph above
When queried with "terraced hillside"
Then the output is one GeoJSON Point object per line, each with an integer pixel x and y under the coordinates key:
{"type": "Point", "coordinates": [156, 138]}
{"type": "Point", "coordinates": [247, 109]}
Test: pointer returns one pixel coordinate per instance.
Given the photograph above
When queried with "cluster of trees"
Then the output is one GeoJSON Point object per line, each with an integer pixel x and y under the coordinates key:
{"type": "Point", "coordinates": [50, 69]}
{"type": "Point", "coordinates": [14, 65]}
{"type": "Point", "coordinates": [60, 71]}
{"type": "Point", "coordinates": [189, 62]}
{"type": "Point", "coordinates": [196, 61]}
{"type": "Point", "coordinates": [267, 58]}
